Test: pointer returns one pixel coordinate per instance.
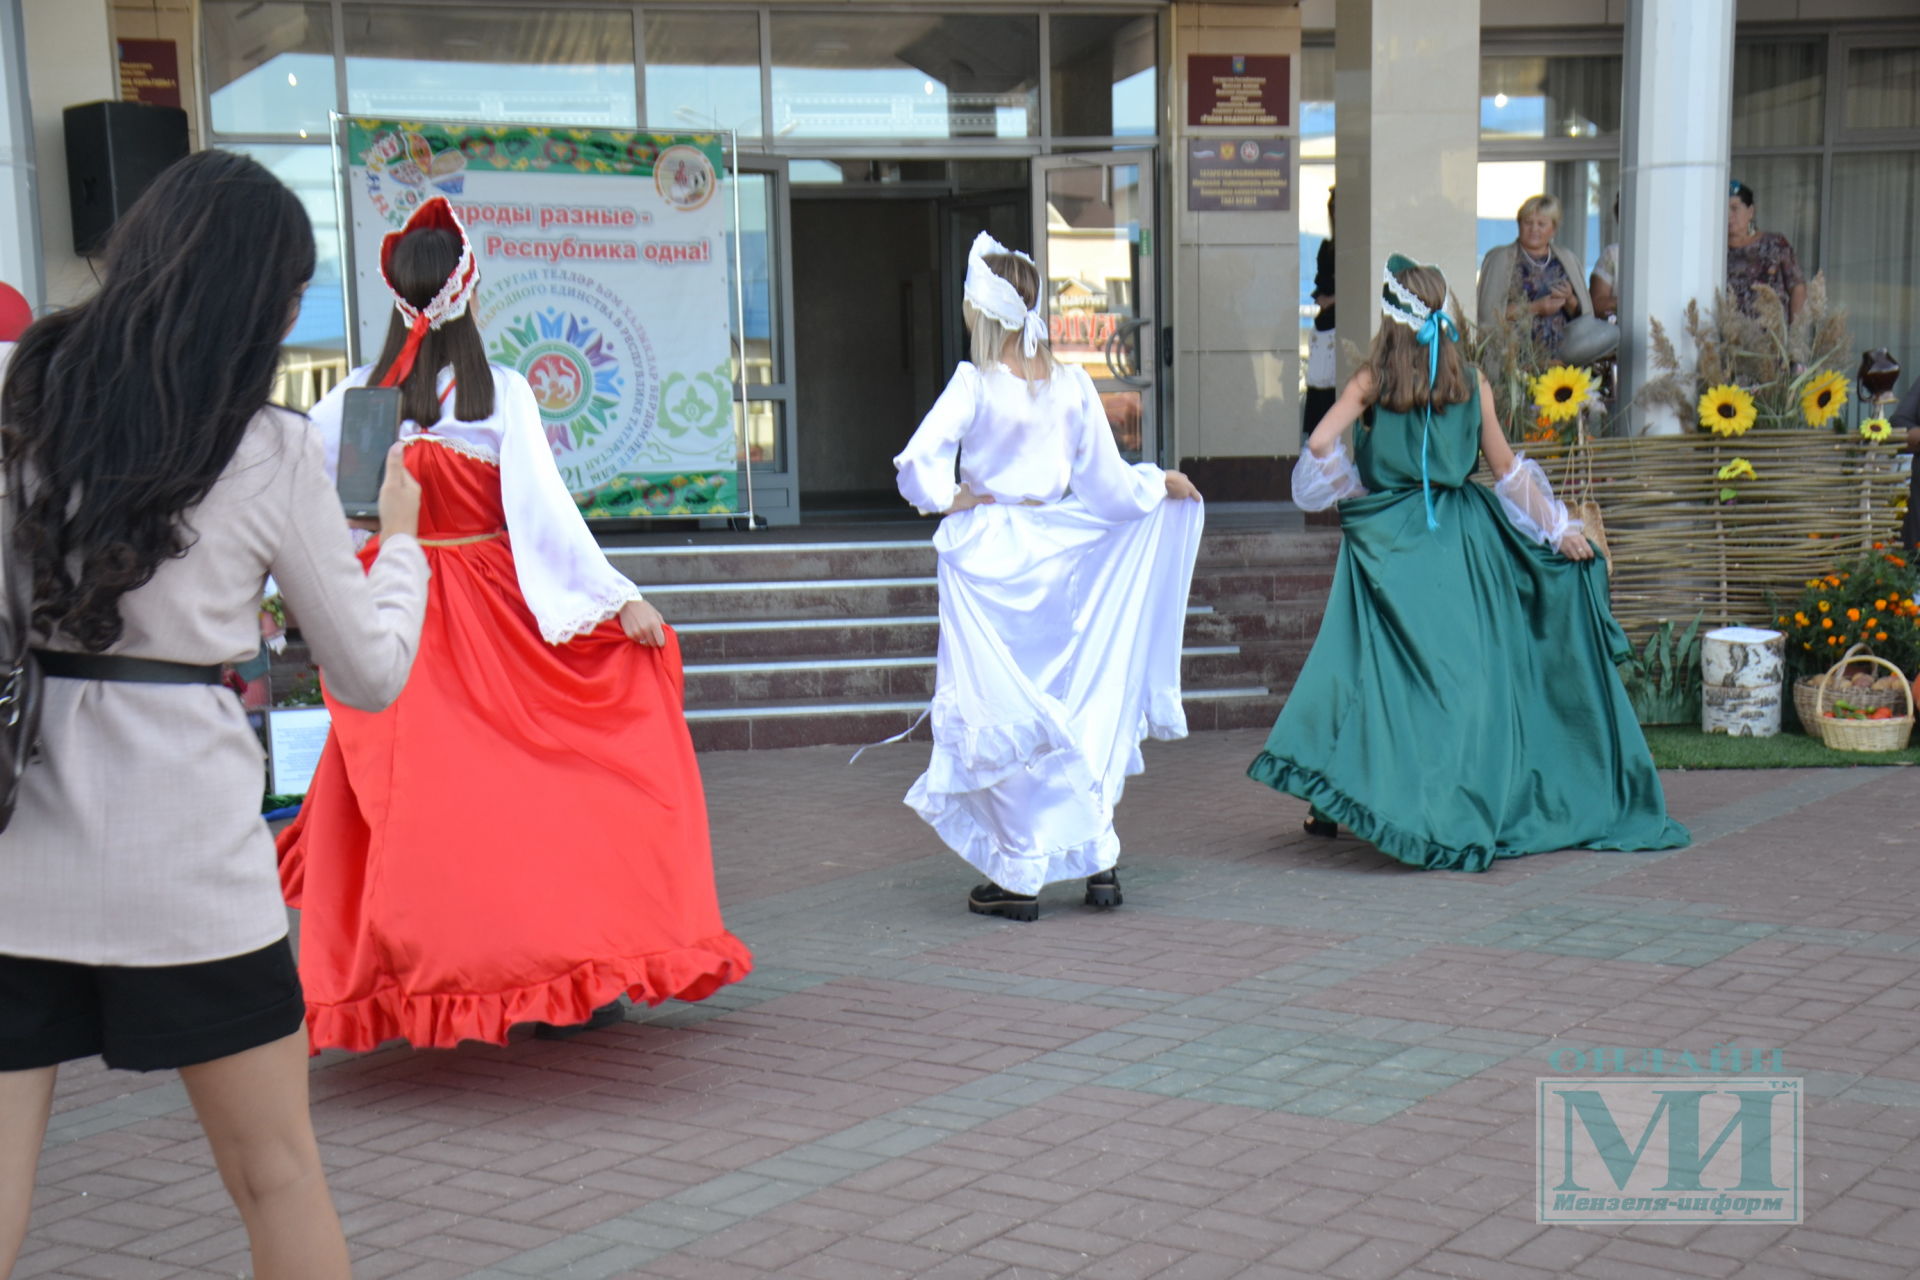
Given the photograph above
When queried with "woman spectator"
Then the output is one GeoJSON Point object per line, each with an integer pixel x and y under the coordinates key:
{"type": "Point", "coordinates": [150, 491]}
{"type": "Point", "coordinates": [1604, 287]}
{"type": "Point", "coordinates": [1755, 257]}
{"type": "Point", "coordinates": [1534, 277]}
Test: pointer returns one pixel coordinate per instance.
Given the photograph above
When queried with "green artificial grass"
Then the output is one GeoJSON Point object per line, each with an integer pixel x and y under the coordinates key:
{"type": "Point", "coordinates": [1685, 747]}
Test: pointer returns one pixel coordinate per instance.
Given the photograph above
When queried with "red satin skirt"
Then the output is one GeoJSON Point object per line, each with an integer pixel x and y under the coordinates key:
{"type": "Point", "coordinates": [521, 836]}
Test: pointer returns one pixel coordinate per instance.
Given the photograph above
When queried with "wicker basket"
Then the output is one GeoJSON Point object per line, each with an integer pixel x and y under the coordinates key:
{"type": "Point", "coordinates": [1863, 735]}
{"type": "Point", "coordinates": [1806, 690]}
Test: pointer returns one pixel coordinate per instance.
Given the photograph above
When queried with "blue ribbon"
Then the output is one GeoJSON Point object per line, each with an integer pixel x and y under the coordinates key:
{"type": "Point", "coordinates": [1429, 337]}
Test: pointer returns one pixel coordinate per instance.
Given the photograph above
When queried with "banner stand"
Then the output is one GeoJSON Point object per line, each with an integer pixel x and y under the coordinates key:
{"type": "Point", "coordinates": [603, 283]}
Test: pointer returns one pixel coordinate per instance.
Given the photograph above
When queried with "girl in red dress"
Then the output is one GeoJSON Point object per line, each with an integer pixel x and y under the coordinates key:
{"type": "Point", "coordinates": [522, 835]}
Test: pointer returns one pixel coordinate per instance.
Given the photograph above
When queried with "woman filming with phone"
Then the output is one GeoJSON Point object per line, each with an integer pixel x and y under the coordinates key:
{"type": "Point", "coordinates": [150, 491]}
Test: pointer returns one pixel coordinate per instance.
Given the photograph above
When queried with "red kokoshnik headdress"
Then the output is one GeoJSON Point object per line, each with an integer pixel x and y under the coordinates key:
{"type": "Point", "coordinates": [448, 304]}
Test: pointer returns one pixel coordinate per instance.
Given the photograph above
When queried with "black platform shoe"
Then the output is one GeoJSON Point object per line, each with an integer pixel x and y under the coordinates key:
{"type": "Point", "coordinates": [605, 1016]}
{"type": "Point", "coordinates": [991, 900]}
{"type": "Point", "coordinates": [1323, 828]}
{"type": "Point", "coordinates": [1103, 890]}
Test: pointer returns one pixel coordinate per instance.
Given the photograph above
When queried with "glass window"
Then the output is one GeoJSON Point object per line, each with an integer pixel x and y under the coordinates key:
{"type": "Point", "coordinates": [903, 75]}
{"type": "Point", "coordinates": [1883, 88]}
{"type": "Point", "coordinates": [1876, 252]}
{"type": "Point", "coordinates": [1104, 82]}
{"type": "Point", "coordinates": [1530, 97]}
{"type": "Point", "coordinates": [1316, 101]}
{"type": "Point", "coordinates": [269, 67]}
{"type": "Point", "coordinates": [532, 64]}
{"type": "Point", "coordinates": [759, 352]}
{"type": "Point", "coordinates": [761, 424]}
{"type": "Point", "coordinates": [309, 171]}
{"type": "Point", "coordinates": [1779, 93]}
{"type": "Point", "coordinates": [1786, 198]}
{"type": "Point", "coordinates": [1584, 188]}
{"type": "Point", "coordinates": [703, 71]}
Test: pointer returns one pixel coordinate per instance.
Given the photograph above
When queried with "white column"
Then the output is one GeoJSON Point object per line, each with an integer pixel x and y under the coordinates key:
{"type": "Point", "coordinates": [1406, 86]}
{"type": "Point", "coordinates": [19, 208]}
{"type": "Point", "coordinates": [1673, 180]}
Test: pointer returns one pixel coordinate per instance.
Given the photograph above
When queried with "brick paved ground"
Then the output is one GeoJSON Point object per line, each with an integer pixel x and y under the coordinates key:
{"type": "Point", "coordinates": [1280, 1059]}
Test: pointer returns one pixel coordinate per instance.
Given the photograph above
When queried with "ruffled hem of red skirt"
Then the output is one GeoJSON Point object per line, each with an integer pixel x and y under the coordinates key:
{"type": "Point", "coordinates": [437, 1021]}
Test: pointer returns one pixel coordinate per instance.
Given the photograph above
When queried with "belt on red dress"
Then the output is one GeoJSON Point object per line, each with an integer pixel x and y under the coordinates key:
{"type": "Point", "coordinates": [466, 541]}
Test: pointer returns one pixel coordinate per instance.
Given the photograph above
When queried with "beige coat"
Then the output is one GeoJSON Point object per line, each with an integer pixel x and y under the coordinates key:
{"type": "Point", "coordinates": [138, 839]}
{"type": "Point", "coordinates": [1497, 280]}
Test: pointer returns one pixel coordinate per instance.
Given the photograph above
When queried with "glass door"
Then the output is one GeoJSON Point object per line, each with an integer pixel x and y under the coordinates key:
{"type": "Point", "coordinates": [763, 345]}
{"type": "Point", "coordinates": [1093, 220]}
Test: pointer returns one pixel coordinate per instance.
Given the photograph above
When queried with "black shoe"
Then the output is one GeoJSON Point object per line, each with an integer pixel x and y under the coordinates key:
{"type": "Point", "coordinates": [1321, 827]}
{"type": "Point", "coordinates": [605, 1016]}
{"type": "Point", "coordinates": [991, 900]}
{"type": "Point", "coordinates": [1103, 890]}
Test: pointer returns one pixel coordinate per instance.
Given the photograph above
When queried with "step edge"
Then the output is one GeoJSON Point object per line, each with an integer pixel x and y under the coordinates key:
{"type": "Point", "coordinates": [895, 662]}
{"type": "Point", "coordinates": [778, 710]}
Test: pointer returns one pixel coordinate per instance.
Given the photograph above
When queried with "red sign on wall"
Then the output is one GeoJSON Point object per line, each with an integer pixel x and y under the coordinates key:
{"type": "Point", "coordinates": [150, 72]}
{"type": "Point", "coordinates": [1238, 91]}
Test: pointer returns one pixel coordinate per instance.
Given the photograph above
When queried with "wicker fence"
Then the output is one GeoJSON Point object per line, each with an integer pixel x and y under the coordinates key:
{"type": "Point", "coordinates": [1817, 498]}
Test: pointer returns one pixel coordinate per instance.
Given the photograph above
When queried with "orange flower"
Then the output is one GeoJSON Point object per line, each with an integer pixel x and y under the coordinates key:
{"type": "Point", "coordinates": [1853, 615]}
{"type": "Point", "coordinates": [1832, 640]}
{"type": "Point", "coordinates": [1826, 622]}
{"type": "Point", "coordinates": [1879, 546]}
{"type": "Point", "coordinates": [1881, 636]}
{"type": "Point", "coordinates": [1843, 639]}
{"type": "Point", "coordinates": [1879, 604]}
{"type": "Point", "coordinates": [1872, 623]}
{"type": "Point", "coordinates": [1896, 560]}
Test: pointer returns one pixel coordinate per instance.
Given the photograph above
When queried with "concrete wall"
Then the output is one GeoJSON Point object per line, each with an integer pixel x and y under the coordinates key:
{"type": "Point", "coordinates": [1235, 281]}
{"type": "Point", "coordinates": [70, 59]}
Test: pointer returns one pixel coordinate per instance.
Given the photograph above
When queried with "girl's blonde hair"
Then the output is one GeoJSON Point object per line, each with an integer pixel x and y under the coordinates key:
{"type": "Point", "coordinates": [989, 338]}
{"type": "Point", "coordinates": [1398, 363]}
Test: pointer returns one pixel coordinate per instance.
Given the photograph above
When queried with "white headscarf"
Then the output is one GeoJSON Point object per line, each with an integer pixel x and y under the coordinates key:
{"type": "Point", "coordinates": [994, 296]}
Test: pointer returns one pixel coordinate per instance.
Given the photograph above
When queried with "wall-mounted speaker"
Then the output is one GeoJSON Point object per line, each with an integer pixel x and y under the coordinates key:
{"type": "Point", "coordinates": [114, 150]}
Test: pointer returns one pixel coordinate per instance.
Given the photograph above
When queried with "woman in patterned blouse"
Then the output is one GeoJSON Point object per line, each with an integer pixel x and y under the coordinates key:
{"type": "Point", "coordinates": [1756, 258]}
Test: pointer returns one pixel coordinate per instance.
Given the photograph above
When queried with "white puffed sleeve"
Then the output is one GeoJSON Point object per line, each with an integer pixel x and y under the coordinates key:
{"type": "Point", "coordinates": [563, 574]}
{"type": "Point", "coordinates": [1527, 496]}
{"type": "Point", "coordinates": [1319, 483]}
{"type": "Point", "coordinates": [926, 465]}
{"type": "Point", "coordinates": [1102, 479]}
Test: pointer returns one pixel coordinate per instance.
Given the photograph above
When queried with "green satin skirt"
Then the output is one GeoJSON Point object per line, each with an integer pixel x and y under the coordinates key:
{"type": "Point", "coordinates": [1461, 702]}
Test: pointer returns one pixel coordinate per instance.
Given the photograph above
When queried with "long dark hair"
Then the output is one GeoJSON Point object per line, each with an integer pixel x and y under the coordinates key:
{"type": "Point", "coordinates": [119, 414]}
{"type": "Point", "coordinates": [422, 261]}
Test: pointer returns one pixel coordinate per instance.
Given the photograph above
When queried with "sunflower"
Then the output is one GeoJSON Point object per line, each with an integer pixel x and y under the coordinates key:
{"type": "Point", "coordinates": [1824, 397]}
{"type": "Point", "coordinates": [1876, 429]}
{"type": "Point", "coordinates": [1561, 391]}
{"type": "Point", "coordinates": [1738, 469]}
{"type": "Point", "coordinates": [1727, 410]}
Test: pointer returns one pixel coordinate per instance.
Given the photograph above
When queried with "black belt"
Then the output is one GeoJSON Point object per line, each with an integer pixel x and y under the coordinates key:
{"type": "Point", "coordinates": [112, 666]}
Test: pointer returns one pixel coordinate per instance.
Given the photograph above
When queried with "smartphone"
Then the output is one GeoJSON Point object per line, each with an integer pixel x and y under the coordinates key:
{"type": "Point", "coordinates": [369, 424]}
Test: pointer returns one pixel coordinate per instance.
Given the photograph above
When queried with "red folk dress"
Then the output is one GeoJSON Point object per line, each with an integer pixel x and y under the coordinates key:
{"type": "Point", "coordinates": [522, 835]}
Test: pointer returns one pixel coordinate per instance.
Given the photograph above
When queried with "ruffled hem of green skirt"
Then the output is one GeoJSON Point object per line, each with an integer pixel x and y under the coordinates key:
{"type": "Point", "coordinates": [1415, 850]}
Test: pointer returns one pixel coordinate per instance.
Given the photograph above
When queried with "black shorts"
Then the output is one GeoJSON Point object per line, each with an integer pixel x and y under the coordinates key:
{"type": "Point", "coordinates": [146, 1019]}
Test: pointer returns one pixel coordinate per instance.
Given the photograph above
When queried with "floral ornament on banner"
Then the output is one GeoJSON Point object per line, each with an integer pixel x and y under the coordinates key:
{"type": "Point", "coordinates": [1727, 410]}
{"type": "Point", "coordinates": [1824, 397]}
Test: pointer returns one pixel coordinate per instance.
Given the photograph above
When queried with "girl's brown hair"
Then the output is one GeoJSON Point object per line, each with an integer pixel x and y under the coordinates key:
{"type": "Point", "coordinates": [422, 261]}
{"type": "Point", "coordinates": [1398, 363]}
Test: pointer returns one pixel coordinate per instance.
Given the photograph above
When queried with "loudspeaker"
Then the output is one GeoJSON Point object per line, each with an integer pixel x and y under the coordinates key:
{"type": "Point", "coordinates": [114, 150]}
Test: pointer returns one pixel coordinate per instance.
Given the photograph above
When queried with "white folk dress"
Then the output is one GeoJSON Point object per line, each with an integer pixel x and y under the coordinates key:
{"type": "Point", "coordinates": [1062, 608]}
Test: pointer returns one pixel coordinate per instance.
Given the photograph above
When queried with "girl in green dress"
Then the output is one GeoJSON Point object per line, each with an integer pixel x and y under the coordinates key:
{"type": "Point", "coordinates": [1461, 702]}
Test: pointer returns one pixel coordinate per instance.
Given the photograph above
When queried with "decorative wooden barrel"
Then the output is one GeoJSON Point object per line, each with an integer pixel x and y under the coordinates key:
{"type": "Point", "coordinates": [1741, 673]}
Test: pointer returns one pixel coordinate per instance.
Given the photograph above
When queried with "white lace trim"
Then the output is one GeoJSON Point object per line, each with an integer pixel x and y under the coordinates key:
{"type": "Point", "coordinates": [604, 607]}
{"type": "Point", "coordinates": [477, 452]}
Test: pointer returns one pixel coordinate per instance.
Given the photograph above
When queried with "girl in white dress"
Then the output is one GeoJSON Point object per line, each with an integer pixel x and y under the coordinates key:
{"type": "Point", "coordinates": [1063, 589]}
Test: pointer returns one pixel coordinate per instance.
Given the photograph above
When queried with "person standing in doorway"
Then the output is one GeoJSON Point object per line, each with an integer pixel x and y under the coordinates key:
{"type": "Point", "coordinates": [1756, 257]}
{"type": "Point", "coordinates": [1322, 347]}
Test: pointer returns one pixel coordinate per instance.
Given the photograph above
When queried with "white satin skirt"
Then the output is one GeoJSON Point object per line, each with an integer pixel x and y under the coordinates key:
{"type": "Point", "coordinates": [1060, 638]}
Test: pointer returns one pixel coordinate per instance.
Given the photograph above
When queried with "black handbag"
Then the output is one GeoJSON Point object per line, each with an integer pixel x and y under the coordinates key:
{"type": "Point", "coordinates": [20, 675]}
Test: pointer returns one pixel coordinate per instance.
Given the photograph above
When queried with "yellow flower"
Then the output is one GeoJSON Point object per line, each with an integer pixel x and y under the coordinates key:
{"type": "Point", "coordinates": [1561, 391]}
{"type": "Point", "coordinates": [1876, 429]}
{"type": "Point", "coordinates": [1738, 469]}
{"type": "Point", "coordinates": [1824, 606]}
{"type": "Point", "coordinates": [1727, 410]}
{"type": "Point", "coordinates": [1824, 397]}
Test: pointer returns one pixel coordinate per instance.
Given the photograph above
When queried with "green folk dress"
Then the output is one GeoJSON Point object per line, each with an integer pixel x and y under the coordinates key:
{"type": "Point", "coordinates": [1461, 702]}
